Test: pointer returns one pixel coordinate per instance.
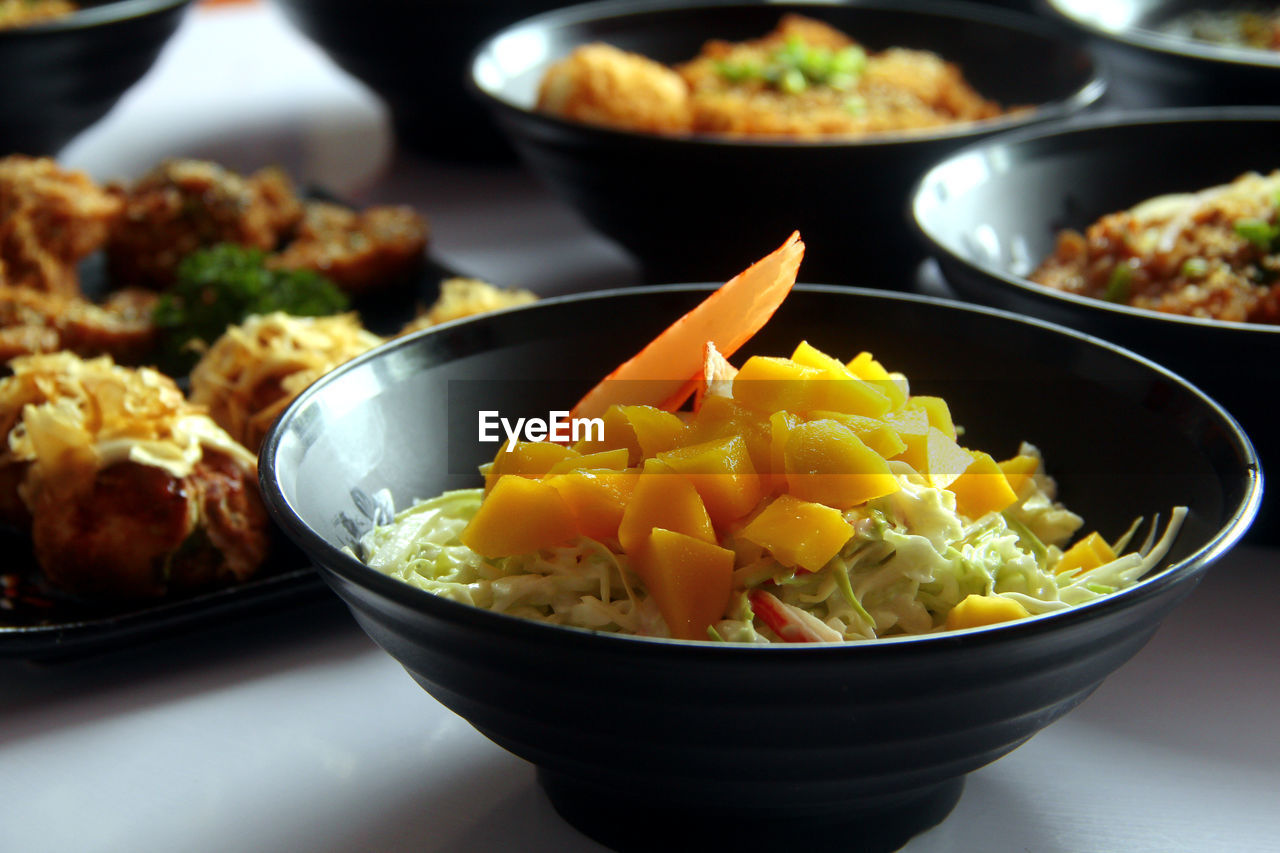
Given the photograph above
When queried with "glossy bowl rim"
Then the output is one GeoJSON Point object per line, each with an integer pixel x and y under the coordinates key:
{"type": "Point", "coordinates": [115, 12]}
{"type": "Point", "coordinates": [1080, 99]}
{"type": "Point", "coordinates": [1164, 43]}
{"type": "Point", "coordinates": [1062, 130]}
{"type": "Point", "coordinates": [351, 570]}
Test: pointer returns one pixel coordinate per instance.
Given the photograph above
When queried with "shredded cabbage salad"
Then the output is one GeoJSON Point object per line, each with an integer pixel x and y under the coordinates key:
{"type": "Point", "coordinates": [911, 560]}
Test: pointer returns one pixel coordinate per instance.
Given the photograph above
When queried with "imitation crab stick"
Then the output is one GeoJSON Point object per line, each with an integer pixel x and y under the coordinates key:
{"type": "Point", "coordinates": [671, 365]}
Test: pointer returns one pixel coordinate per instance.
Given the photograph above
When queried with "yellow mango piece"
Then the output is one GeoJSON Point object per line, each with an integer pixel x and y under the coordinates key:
{"type": "Point", "coordinates": [722, 417]}
{"type": "Point", "coordinates": [826, 463]}
{"type": "Point", "coordinates": [519, 516]}
{"type": "Point", "coordinates": [596, 499]}
{"type": "Point", "coordinates": [982, 488]}
{"type": "Point", "coordinates": [618, 433]}
{"type": "Point", "coordinates": [722, 472]}
{"type": "Point", "coordinates": [799, 533]}
{"type": "Point", "coordinates": [810, 356]}
{"type": "Point", "coordinates": [690, 580]}
{"type": "Point", "coordinates": [974, 611]}
{"type": "Point", "coordinates": [1019, 470]}
{"type": "Point", "coordinates": [663, 498]}
{"type": "Point", "coordinates": [780, 425]}
{"type": "Point", "coordinates": [1089, 553]}
{"type": "Point", "coordinates": [929, 450]}
{"type": "Point", "coordinates": [936, 410]}
{"type": "Point", "coordinates": [615, 460]}
{"type": "Point", "coordinates": [865, 367]}
{"type": "Point", "coordinates": [655, 429]}
{"type": "Point", "coordinates": [875, 433]}
{"type": "Point", "coordinates": [770, 385]}
{"type": "Point", "coordinates": [527, 459]}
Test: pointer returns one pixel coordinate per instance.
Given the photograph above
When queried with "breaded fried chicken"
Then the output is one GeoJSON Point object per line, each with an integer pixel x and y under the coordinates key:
{"type": "Point", "coordinates": [33, 321]}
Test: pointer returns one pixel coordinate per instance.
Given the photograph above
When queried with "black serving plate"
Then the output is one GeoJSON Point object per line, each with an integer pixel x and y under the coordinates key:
{"type": "Point", "coordinates": [38, 622]}
{"type": "Point", "coordinates": [1148, 66]}
{"type": "Point", "coordinates": [688, 206]}
{"type": "Point", "coordinates": [659, 744]}
{"type": "Point", "coordinates": [62, 75]}
{"type": "Point", "coordinates": [991, 213]}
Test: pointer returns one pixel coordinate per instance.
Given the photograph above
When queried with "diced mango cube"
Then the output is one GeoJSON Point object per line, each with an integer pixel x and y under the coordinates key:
{"type": "Point", "coordinates": [526, 459]}
{"type": "Point", "coordinates": [519, 516]}
{"type": "Point", "coordinates": [618, 433]}
{"type": "Point", "coordinates": [722, 472]}
{"type": "Point", "coordinates": [982, 488]}
{"type": "Point", "coordinates": [894, 386]}
{"type": "Point", "coordinates": [810, 356]}
{"type": "Point", "coordinates": [930, 452]}
{"type": "Point", "coordinates": [655, 429]}
{"type": "Point", "coordinates": [936, 410]}
{"type": "Point", "coordinates": [974, 611]}
{"type": "Point", "coordinates": [689, 578]}
{"type": "Point", "coordinates": [663, 498]}
{"type": "Point", "coordinates": [1019, 470]}
{"type": "Point", "coordinates": [615, 460]}
{"type": "Point", "coordinates": [799, 533]}
{"type": "Point", "coordinates": [722, 417]}
{"type": "Point", "coordinates": [780, 425]}
{"type": "Point", "coordinates": [1089, 553]}
{"type": "Point", "coordinates": [596, 498]}
{"type": "Point", "coordinates": [825, 462]}
{"type": "Point", "coordinates": [874, 432]}
{"type": "Point", "coordinates": [780, 384]}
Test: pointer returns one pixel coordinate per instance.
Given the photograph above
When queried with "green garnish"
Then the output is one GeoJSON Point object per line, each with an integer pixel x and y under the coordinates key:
{"type": "Point", "coordinates": [1259, 232]}
{"type": "Point", "coordinates": [221, 286]}
{"type": "Point", "coordinates": [797, 66]}
{"type": "Point", "coordinates": [1118, 284]}
{"type": "Point", "coordinates": [1195, 268]}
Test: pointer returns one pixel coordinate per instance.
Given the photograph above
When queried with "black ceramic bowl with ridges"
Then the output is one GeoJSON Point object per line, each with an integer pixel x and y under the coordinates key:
{"type": "Point", "coordinates": [991, 213]}
{"type": "Point", "coordinates": [690, 206]}
{"type": "Point", "coordinates": [60, 76]}
{"type": "Point", "coordinates": [656, 744]}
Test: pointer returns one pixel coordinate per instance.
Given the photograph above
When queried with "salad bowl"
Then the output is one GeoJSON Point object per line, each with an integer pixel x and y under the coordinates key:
{"type": "Point", "coordinates": [646, 743]}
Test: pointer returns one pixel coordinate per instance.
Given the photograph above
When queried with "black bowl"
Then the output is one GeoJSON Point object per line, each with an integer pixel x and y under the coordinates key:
{"type": "Point", "coordinates": [689, 207]}
{"type": "Point", "coordinates": [413, 54]}
{"type": "Point", "coordinates": [659, 744]}
{"type": "Point", "coordinates": [991, 213]}
{"type": "Point", "coordinates": [62, 75]}
{"type": "Point", "coordinates": [1149, 66]}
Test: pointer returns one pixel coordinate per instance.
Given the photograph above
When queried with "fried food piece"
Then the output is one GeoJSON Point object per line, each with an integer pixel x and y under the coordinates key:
{"type": "Point", "coordinates": [807, 79]}
{"type": "Point", "coordinates": [600, 84]}
{"type": "Point", "coordinates": [33, 321]}
{"type": "Point", "coordinates": [50, 219]}
{"type": "Point", "coordinates": [184, 205]}
{"type": "Point", "coordinates": [358, 251]}
{"type": "Point", "coordinates": [252, 373]}
{"type": "Point", "coordinates": [1212, 254]}
{"type": "Point", "coordinates": [465, 297]}
{"type": "Point", "coordinates": [129, 491]}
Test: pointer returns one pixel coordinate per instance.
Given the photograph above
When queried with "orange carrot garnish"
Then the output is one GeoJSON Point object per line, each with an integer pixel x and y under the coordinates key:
{"type": "Point", "coordinates": [671, 364]}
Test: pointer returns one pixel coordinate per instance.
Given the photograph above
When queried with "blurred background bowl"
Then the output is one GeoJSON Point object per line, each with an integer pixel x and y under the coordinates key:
{"type": "Point", "coordinates": [1149, 66]}
{"type": "Point", "coordinates": [991, 213]}
{"type": "Point", "coordinates": [689, 207]}
{"type": "Point", "coordinates": [60, 76]}
{"type": "Point", "coordinates": [414, 55]}
{"type": "Point", "coordinates": [657, 744]}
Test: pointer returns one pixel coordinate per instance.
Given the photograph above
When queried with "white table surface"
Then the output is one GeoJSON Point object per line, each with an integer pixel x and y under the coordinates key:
{"type": "Point", "coordinates": [294, 732]}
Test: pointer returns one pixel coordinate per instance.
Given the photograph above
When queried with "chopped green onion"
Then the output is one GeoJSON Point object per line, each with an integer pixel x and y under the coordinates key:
{"type": "Point", "coordinates": [1195, 268]}
{"type": "Point", "coordinates": [1118, 284]}
{"type": "Point", "coordinates": [1259, 232]}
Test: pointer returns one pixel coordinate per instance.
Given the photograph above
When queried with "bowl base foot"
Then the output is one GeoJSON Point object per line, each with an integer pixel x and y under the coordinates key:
{"type": "Point", "coordinates": [633, 824]}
